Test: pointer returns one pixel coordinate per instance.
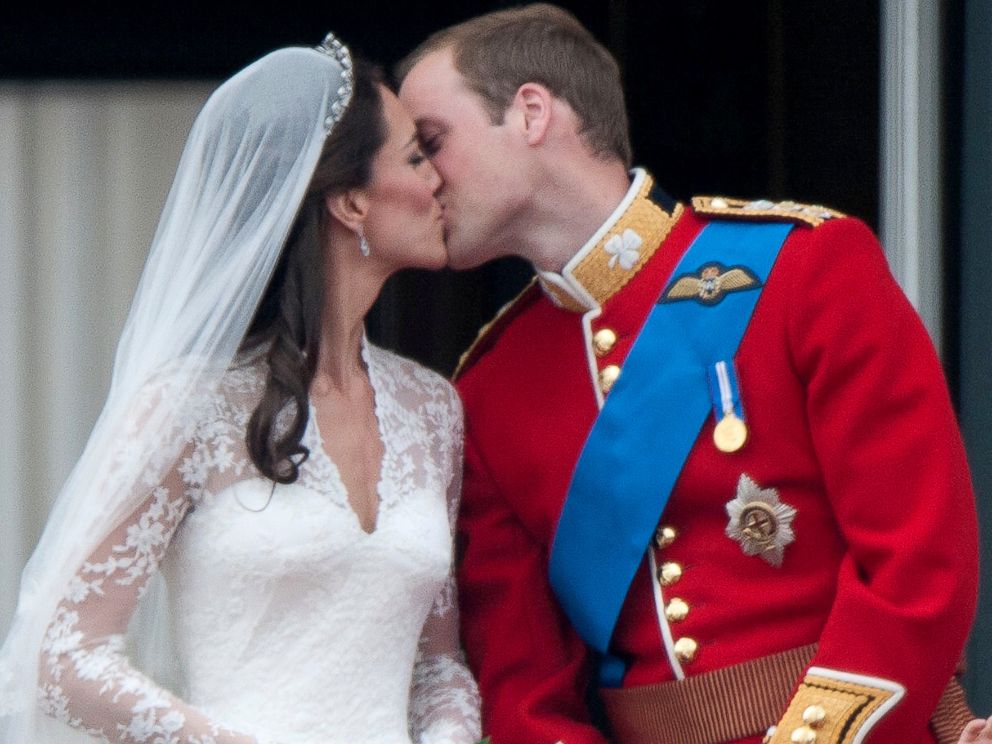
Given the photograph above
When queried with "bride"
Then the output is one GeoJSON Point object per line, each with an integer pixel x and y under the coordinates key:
{"type": "Point", "coordinates": [293, 484]}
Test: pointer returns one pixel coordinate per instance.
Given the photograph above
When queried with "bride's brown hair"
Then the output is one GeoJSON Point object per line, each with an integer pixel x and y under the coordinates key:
{"type": "Point", "coordinates": [287, 320]}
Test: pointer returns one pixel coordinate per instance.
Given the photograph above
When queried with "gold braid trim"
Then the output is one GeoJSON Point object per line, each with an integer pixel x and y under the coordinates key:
{"type": "Point", "coordinates": [828, 710]}
{"type": "Point", "coordinates": [561, 298]}
{"type": "Point", "coordinates": [812, 215]}
{"type": "Point", "coordinates": [645, 218]}
{"type": "Point", "coordinates": [594, 271]}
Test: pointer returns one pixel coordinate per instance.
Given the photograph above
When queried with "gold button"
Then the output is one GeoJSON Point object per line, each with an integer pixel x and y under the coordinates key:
{"type": "Point", "coordinates": [669, 573]}
{"type": "Point", "coordinates": [665, 536]}
{"type": "Point", "coordinates": [607, 377]}
{"type": "Point", "coordinates": [814, 716]}
{"type": "Point", "coordinates": [685, 649]}
{"type": "Point", "coordinates": [676, 610]}
{"type": "Point", "coordinates": [603, 341]}
{"type": "Point", "coordinates": [803, 735]}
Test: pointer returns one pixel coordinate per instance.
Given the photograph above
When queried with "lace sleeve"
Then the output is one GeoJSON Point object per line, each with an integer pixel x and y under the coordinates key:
{"type": "Point", "coordinates": [85, 678]}
{"type": "Point", "coordinates": [444, 699]}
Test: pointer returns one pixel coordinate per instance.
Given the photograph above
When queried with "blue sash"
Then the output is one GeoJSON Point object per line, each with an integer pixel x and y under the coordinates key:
{"type": "Point", "coordinates": [647, 427]}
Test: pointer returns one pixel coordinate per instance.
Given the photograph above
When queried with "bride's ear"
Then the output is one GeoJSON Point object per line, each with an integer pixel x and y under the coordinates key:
{"type": "Point", "coordinates": [349, 207]}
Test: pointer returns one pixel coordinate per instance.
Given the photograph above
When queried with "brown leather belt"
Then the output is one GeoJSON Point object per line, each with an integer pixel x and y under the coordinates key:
{"type": "Point", "coordinates": [736, 702]}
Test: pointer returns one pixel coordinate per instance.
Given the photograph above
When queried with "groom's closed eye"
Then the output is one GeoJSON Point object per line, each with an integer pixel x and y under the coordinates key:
{"type": "Point", "coordinates": [431, 146]}
{"type": "Point", "coordinates": [431, 137]}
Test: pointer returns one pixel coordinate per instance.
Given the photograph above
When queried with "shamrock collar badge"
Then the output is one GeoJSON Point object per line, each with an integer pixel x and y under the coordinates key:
{"type": "Point", "coordinates": [624, 249]}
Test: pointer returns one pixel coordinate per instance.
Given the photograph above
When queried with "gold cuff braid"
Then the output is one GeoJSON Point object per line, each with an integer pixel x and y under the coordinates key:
{"type": "Point", "coordinates": [825, 710]}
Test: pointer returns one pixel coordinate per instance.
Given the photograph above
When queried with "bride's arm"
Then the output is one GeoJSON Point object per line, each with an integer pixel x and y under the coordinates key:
{"type": "Point", "coordinates": [444, 699]}
{"type": "Point", "coordinates": [85, 678]}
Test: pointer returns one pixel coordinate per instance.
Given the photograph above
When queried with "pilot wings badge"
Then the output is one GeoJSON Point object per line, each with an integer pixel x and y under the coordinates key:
{"type": "Point", "coordinates": [710, 284]}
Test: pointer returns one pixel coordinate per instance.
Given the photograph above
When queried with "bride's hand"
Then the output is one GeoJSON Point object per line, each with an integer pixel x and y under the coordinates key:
{"type": "Point", "coordinates": [978, 731]}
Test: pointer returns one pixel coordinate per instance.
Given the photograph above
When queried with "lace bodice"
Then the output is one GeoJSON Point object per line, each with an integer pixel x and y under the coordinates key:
{"type": "Point", "coordinates": [292, 624]}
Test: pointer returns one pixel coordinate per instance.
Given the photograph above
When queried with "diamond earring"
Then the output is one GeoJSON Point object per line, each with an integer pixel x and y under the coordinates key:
{"type": "Point", "coordinates": [363, 243]}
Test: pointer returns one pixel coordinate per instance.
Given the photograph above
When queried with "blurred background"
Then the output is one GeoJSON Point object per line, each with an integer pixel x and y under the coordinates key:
{"type": "Point", "coordinates": [878, 108]}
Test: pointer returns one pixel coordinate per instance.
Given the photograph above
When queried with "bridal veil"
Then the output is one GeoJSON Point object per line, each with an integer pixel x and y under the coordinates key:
{"type": "Point", "coordinates": [242, 176]}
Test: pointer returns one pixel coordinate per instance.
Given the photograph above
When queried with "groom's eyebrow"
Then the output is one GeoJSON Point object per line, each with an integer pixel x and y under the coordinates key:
{"type": "Point", "coordinates": [423, 121]}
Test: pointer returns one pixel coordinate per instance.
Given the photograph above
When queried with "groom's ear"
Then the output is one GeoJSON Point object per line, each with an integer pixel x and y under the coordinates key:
{"type": "Point", "coordinates": [534, 103]}
{"type": "Point", "coordinates": [349, 207]}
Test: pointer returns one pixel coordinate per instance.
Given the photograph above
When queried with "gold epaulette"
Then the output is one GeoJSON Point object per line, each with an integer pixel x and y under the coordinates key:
{"type": "Point", "coordinates": [490, 331]}
{"type": "Point", "coordinates": [812, 215]}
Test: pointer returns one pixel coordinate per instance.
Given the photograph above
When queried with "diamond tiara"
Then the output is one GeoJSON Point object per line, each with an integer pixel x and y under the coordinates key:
{"type": "Point", "coordinates": [332, 47]}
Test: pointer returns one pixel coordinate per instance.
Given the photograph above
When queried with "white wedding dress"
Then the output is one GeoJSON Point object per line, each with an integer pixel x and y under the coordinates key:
{"type": "Point", "coordinates": [292, 624]}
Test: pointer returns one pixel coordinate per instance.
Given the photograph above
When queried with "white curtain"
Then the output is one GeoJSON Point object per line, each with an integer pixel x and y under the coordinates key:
{"type": "Point", "coordinates": [84, 171]}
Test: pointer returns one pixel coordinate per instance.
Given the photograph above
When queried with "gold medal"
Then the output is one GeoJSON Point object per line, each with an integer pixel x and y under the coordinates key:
{"type": "Point", "coordinates": [730, 433]}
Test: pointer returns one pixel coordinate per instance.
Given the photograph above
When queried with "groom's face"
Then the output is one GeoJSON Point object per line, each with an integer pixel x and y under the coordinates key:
{"type": "Point", "coordinates": [477, 160]}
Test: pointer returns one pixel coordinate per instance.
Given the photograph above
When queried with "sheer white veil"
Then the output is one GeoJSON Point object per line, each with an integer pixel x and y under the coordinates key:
{"type": "Point", "coordinates": [242, 176]}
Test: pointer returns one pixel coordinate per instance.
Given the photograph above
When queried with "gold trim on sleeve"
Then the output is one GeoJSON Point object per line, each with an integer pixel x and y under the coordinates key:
{"type": "Point", "coordinates": [835, 708]}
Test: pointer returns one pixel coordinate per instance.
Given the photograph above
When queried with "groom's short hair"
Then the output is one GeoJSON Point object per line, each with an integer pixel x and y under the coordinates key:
{"type": "Point", "coordinates": [498, 52]}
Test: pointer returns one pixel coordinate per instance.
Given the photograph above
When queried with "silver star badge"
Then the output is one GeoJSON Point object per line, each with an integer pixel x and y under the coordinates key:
{"type": "Point", "coordinates": [759, 521]}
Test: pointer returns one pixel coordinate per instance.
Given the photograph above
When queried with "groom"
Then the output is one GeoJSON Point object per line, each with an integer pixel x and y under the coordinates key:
{"type": "Point", "coordinates": [711, 463]}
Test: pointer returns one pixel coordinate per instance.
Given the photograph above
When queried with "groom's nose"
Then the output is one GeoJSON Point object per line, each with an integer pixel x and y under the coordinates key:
{"type": "Point", "coordinates": [433, 178]}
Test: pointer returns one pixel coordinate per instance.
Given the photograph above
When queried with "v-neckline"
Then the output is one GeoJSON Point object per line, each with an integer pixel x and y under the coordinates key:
{"type": "Point", "coordinates": [377, 413]}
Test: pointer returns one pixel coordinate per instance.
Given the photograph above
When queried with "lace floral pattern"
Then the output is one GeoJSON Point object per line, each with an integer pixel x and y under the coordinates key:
{"type": "Point", "coordinates": [333, 634]}
{"type": "Point", "coordinates": [444, 705]}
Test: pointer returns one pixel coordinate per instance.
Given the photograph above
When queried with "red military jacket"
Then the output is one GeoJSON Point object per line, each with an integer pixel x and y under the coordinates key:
{"type": "Point", "coordinates": [850, 425]}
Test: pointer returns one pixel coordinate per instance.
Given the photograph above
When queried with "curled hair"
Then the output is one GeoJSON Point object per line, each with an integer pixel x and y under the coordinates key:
{"type": "Point", "coordinates": [287, 321]}
{"type": "Point", "coordinates": [498, 52]}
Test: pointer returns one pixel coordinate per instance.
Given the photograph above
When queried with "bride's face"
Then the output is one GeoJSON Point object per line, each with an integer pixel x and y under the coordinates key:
{"type": "Point", "coordinates": [404, 226]}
